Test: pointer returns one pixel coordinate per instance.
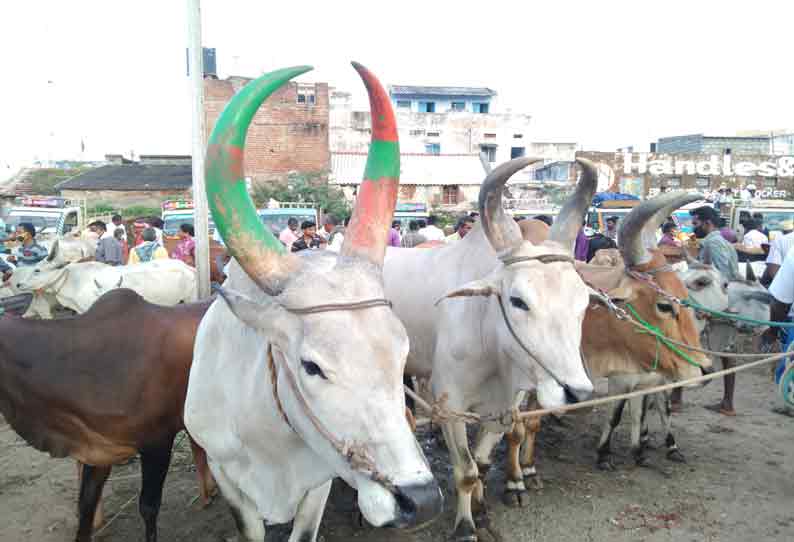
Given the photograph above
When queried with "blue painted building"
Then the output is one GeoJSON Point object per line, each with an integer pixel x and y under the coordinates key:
{"type": "Point", "coordinates": [422, 99]}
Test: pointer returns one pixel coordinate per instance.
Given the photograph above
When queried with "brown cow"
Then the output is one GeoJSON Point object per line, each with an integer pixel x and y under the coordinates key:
{"type": "Point", "coordinates": [612, 347]}
{"type": "Point", "coordinates": [102, 387]}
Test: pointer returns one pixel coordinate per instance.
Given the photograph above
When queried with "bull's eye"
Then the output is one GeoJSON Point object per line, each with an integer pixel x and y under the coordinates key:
{"type": "Point", "coordinates": [37, 271]}
{"type": "Point", "coordinates": [665, 307]}
{"type": "Point", "coordinates": [518, 303]}
{"type": "Point", "coordinates": [702, 282]}
{"type": "Point", "coordinates": [312, 369]}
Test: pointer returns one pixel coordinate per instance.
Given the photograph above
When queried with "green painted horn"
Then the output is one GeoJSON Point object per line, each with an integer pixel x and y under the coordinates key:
{"type": "Point", "coordinates": [254, 246]}
{"type": "Point", "coordinates": [367, 234]}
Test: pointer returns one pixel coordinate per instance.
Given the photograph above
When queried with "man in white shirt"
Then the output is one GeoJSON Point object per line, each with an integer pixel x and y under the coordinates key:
{"type": "Point", "coordinates": [778, 250]}
{"type": "Point", "coordinates": [748, 193]}
{"type": "Point", "coordinates": [753, 237]}
{"type": "Point", "coordinates": [288, 235]}
{"type": "Point", "coordinates": [431, 232]}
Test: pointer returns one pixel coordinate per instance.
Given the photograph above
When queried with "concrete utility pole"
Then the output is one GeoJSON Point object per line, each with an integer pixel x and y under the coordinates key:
{"type": "Point", "coordinates": [199, 146]}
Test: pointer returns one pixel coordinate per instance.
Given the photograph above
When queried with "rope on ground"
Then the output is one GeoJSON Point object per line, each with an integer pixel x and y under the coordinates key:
{"type": "Point", "coordinates": [116, 515]}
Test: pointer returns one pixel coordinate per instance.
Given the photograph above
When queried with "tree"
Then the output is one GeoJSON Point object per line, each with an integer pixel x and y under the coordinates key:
{"type": "Point", "coordinates": [305, 188]}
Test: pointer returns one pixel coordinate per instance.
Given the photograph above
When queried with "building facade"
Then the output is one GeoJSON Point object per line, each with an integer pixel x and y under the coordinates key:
{"type": "Point", "coordinates": [647, 174]}
{"type": "Point", "coordinates": [702, 144]}
{"type": "Point", "coordinates": [288, 133]}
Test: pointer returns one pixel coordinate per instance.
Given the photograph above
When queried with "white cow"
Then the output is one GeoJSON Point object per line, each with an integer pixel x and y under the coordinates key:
{"type": "Point", "coordinates": [42, 304]}
{"type": "Point", "coordinates": [76, 286]}
{"type": "Point", "coordinates": [517, 327]}
{"type": "Point", "coordinates": [297, 373]}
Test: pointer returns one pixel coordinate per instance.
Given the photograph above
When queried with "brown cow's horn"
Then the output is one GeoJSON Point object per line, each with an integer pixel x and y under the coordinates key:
{"type": "Point", "coordinates": [368, 231]}
{"type": "Point", "coordinates": [632, 245]}
{"type": "Point", "coordinates": [502, 232]}
{"type": "Point", "coordinates": [566, 227]}
{"type": "Point", "coordinates": [749, 273]}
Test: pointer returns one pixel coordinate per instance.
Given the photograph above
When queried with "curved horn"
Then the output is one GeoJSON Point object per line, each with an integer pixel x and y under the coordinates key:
{"type": "Point", "coordinates": [566, 227]}
{"type": "Point", "coordinates": [254, 246]}
{"type": "Point", "coordinates": [631, 229]}
{"type": "Point", "coordinates": [121, 279]}
{"type": "Point", "coordinates": [502, 231]}
{"type": "Point", "coordinates": [367, 233]}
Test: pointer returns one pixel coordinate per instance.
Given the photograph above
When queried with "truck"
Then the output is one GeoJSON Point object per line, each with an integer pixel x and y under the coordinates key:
{"type": "Point", "coordinates": [52, 216]}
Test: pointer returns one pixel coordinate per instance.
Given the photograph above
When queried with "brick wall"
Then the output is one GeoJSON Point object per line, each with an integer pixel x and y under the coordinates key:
{"type": "Point", "coordinates": [285, 135]}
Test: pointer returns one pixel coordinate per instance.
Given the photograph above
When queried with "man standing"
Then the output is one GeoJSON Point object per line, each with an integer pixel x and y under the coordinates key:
{"type": "Point", "coordinates": [748, 193]}
{"type": "Point", "coordinates": [778, 250]}
{"type": "Point", "coordinates": [431, 232]}
{"type": "Point", "coordinates": [289, 234]}
{"type": "Point", "coordinates": [782, 290]}
{"type": "Point", "coordinates": [716, 251]}
{"type": "Point", "coordinates": [463, 227]}
{"type": "Point", "coordinates": [394, 234]}
{"type": "Point", "coordinates": [29, 252]}
{"type": "Point", "coordinates": [108, 249]}
{"type": "Point", "coordinates": [309, 240]}
{"type": "Point", "coordinates": [148, 250]}
{"type": "Point", "coordinates": [412, 238]}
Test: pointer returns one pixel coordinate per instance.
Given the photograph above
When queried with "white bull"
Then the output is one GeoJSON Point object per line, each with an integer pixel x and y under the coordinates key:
{"type": "Point", "coordinates": [517, 327]}
{"type": "Point", "coordinates": [297, 372]}
{"type": "Point", "coordinates": [77, 286]}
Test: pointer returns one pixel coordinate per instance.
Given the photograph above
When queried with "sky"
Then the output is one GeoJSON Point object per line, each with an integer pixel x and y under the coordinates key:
{"type": "Point", "coordinates": [604, 74]}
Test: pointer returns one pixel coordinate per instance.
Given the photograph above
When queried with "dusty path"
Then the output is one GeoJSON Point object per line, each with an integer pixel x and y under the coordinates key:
{"type": "Point", "coordinates": [738, 485]}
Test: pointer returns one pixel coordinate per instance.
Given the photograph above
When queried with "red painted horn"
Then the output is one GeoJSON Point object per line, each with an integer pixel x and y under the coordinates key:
{"type": "Point", "coordinates": [367, 234]}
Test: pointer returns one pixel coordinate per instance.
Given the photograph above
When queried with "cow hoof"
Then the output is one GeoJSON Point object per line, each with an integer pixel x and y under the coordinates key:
{"type": "Point", "coordinates": [515, 498]}
{"type": "Point", "coordinates": [487, 534]}
{"type": "Point", "coordinates": [676, 456]}
{"type": "Point", "coordinates": [605, 465]}
{"type": "Point", "coordinates": [533, 482]}
{"type": "Point", "coordinates": [643, 461]}
{"type": "Point", "coordinates": [464, 532]}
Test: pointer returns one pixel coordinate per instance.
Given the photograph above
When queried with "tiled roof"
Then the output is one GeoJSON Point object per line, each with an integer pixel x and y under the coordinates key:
{"type": "Point", "coordinates": [415, 169]}
{"type": "Point", "coordinates": [132, 177]}
{"type": "Point", "coordinates": [441, 91]}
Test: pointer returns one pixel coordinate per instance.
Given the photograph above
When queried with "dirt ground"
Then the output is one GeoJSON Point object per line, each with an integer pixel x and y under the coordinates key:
{"type": "Point", "coordinates": [738, 485]}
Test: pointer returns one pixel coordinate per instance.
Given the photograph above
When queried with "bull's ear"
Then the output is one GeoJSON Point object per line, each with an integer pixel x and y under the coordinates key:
{"type": "Point", "coordinates": [281, 327]}
{"type": "Point", "coordinates": [483, 287]}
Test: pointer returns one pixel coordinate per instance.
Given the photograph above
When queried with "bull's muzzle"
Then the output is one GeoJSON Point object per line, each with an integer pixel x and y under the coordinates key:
{"type": "Point", "coordinates": [574, 395]}
{"type": "Point", "coordinates": [417, 504]}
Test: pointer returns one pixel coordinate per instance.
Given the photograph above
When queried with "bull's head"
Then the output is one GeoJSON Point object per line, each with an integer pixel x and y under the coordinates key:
{"type": "Point", "coordinates": [706, 287]}
{"type": "Point", "coordinates": [749, 299]}
{"type": "Point", "coordinates": [541, 295]}
{"type": "Point", "coordinates": [347, 364]}
{"type": "Point", "coordinates": [676, 322]}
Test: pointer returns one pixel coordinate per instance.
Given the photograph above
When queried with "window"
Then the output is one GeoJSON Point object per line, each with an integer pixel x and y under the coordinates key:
{"type": "Point", "coordinates": [450, 195]}
{"type": "Point", "coordinates": [416, 132]}
{"type": "Point", "coordinates": [403, 104]}
{"type": "Point", "coordinates": [673, 182]}
{"type": "Point", "coordinates": [433, 148]}
{"type": "Point", "coordinates": [301, 98]}
{"type": "Point", "coordinates": [458, 106]}
{"type": "Point", "coordinates": [489, 151]}
{"type": "Point", "coordinates": [770, 183]}
{"type": "Point", "coordinates": [702, 182]}
{"type": "Point", "coordinates": [433, 134]}
{"type": "Point", "coordinates": [480, 107]}
{"type": "Point", "coordinates": [517, 152]}
{"type": "Point", "coordinates": [427, 107]}
{"type": "Point", "coordinates": [306, 98]}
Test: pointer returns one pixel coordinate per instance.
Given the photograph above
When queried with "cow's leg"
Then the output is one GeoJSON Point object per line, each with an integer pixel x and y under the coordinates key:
{"type": "Point", "coordinates": [154, 468]}
{"type": "Point", "coordinates": [485, 442]}
{"type": "Point", "coordinates": [310, 513]}
{"type": "Point", "coordinates": [99, 515]}
{"type": "Point", "coordinates": [249, 523]}
{"type": "Point", "coordinates": [730, 385]}
{"type": "Point", "coordinates": [207, 486]}
{"type": "Point", "coordinates": [465, 471]}
{"type": "Point", "coordinates": [527, 459]}
{"type": "Point", "coordinates": [605, 443]}
{"type": "Point", "coordinates": [638, 407]}
{"type": "Point", "coordinates": [515, 490]}
{"type": "Point", "coordinates": [665, 416]}
{"type": "Point", "coordinates": [91, 485]}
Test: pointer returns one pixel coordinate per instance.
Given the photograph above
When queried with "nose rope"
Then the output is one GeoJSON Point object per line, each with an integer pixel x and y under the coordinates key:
{"type": "Point", "coordinates": [355, 454]}
{"type": "Point", "coordinates": [545, 259]}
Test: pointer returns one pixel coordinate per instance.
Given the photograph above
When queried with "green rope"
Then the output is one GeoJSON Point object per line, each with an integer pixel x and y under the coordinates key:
{"type": "Point", "coordinates": [730, 316]}
{"type": "Point", "coordinates": [660, 338]}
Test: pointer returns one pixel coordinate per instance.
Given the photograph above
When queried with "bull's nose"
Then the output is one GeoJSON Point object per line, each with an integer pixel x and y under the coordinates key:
{"type": "Point", "coordinates": [418, 504]}
{"type": "Point", "coordinates": [575, 395]}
